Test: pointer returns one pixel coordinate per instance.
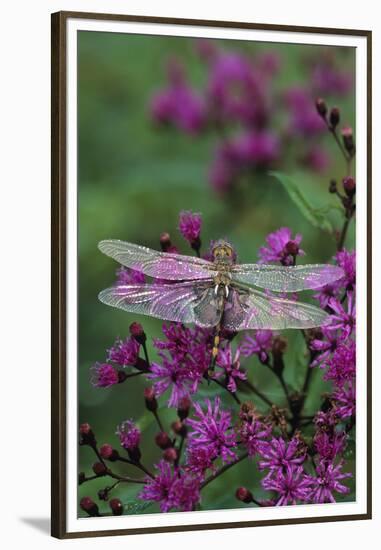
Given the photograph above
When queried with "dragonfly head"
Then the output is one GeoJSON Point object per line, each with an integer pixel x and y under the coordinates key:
{"type": "Point", "coordinates": [223, 252]}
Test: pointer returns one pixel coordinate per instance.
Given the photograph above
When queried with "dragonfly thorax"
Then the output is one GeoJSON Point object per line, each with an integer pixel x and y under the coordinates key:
{"type": "Point", "coordinates": [223, 253]}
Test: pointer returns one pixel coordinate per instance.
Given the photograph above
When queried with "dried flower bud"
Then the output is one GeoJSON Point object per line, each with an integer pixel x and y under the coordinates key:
{"type": "Point", "coordinates": [108, 452]}
{"type": "Point", "coordinates": [179, 428]}
{"type": "Point", "coordinates": [321, 107]}
{"type": "Point", "coordinates": [184, 407]}
{"type": "Point", "coordinates": [292, 248]}
{"type": "Point", "coordinates": [163, 440]}
{"type": "Point", "coordinates": [88, 505]}
{"type": "Point", "coordinates": [170, 454]}
{"type": "Point", "coordinates": [99, 469]}
{"type": "Point", "coordinates": [86, 435]}
{"type": "Point", "coordinates": [150, 399]}
{"type": "Point", "coordinates": [165, 242]}
{"type": "Point", "coordinates": [244, 495]}
{"type": "Point", "coordinates": [334, 117]}
{"type": "Point", "coordinates": [349, 185]}
{"type": "Point", "coordinates": [333, 186]}
{"type": "Point", "coordinates": [116, 506]}
{"type": "Point", "coordinates": [137, 332]}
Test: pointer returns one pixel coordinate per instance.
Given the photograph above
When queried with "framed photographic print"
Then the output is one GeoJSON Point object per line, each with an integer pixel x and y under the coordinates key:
{"type": "Point", "coordinates": [211, 302]}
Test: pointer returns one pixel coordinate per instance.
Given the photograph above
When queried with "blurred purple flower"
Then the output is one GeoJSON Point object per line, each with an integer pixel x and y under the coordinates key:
{"type": "Point", "coordinates": [259, 344]}
{"type": "Point", "coordinates": [125, 352]}
{"type": "Point", "coordinates": [213, 431]}
{"type": "Point", "coordinates": [190, 226]}
{"type": "Point", "coordinates": [317, 159]}
{"type": "Point", "coordinates": [127, 276]}
{"type": "Point", "coordinates": [329, 80]}
{"type": "Point", "coordinates": [172, 488]}
{"type": "Point", "coordinates": [328, 480]}
{"type": "Point", "coordinates": [281, 247]}
{"type": "Point", "coordinates": [129, 435]}
{"type": "Point", "coordinates": [231, 366]}
{"type": "Point", "coordinates": [235, 90]}
{"type": "Point", "coordinates": [291, 484]}
{"type": "Point", "coordinates": [104, 375]}
{"type": "Point", "coordinates": [304, 120]}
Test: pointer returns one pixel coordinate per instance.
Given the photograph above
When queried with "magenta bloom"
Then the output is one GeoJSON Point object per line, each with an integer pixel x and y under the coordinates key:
{"type": "Point", "coordinates": [222, 173]}
{"type": "Point", "coordinates": [104, 375]}
{"type": "Point", "coordinates": [344, 320]}
{"type": "Point", "coordinates": [281, 247]}
{"type": "Point", "coordinates": [190, 226]}
{"type": "Point", "coordinates": [277, 454]}
{"type": "Point", "coordinates": [347, 261]}
{"type": "Point", "coordinates": [324, 347]}
{"type": "Point", "coordinates": [253, 149]}
{"type": "Point", "coordinates": [231, 366]}
{"type": "Point", "coordinates": [328, 446]}
{"type": "Point", "coordinates": [327, 481]}
{"type": "Point", "coordinates": [127, 276]}
{"type": "Point", "coordinates": [344, 398]}
{"type": "Point", "coordinates": [236, 92]}
{"type": "Point", "coordinates": [304, 120]}
{"type": "Point", "coordinates": [328, 79]}
{"type": "Point", "coordinates": [291, 484]}
{"type": "Point", "coordinates": [200, 459]}
{"type": "Point", "coordinates": [252, 433]}
{"type": "Point", "coordinates": [172, 488]}
{"type": "Point", "coordinates": [129, 435]}
{"type": "Point", "coordinates": [342, 364]}
{"type": "Point", "coordinates": [125, 352]}
{"type": "Point", "coordinates": [213, 431]}
{"type": "Point", "coordinates": [260, 344]}
{"type": "Point", "coordinates": [317, 159]}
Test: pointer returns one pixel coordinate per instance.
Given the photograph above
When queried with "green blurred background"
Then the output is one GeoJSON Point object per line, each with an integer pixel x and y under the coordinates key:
{"type": "Point", "coordinates": [134, 178]}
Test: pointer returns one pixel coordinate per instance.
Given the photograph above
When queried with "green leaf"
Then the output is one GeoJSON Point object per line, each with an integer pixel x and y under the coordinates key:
{"type": "Point", "coordinates": [316, 216]}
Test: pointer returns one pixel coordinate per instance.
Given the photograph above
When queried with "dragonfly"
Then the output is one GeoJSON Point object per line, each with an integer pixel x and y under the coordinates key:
{"type": "Point", "coordinates": [219, 293]}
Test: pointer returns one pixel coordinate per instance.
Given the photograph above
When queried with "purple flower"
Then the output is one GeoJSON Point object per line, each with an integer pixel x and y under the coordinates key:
{"type": "Point", "coordinates": [304, 120]}
{"type": "Point", "coordinates": [236, 92]}
{"type": "Point", "coordinates": [127, 276]}
{"type": "Point", "coordinates": [172, 488]}
{"type": "Point", "coordinates": [328, 446]}
{"type": "Point", "coordinates": [277, 454]}
{"type": "Point", "coordinates": [344, 398]}
{"type": "Point", "coordinates": [179, 105]}
{"type": "Point", "coordinates": [172, 374]}
{"type": "Point", "coordinates": [213, 431]}
{"type": "Point", "coordinates": [260, 344]}
{"type": "Point", "coordinates": [129, 435]}
{"type": "Point", "coordinates": [291, 484]}
{"type": "Point", "coordinates": [104, 375]}
{"type": "Point", "coordinates": [327, 80]}
{"type": "Point", "coordinates": [252, 433]}
{"type": "Point", "coordinates": [317, 159]}
{"type": "Point", "coordinates": [125, 352]}
{"type": "Point", "coordinates": [222, 173]}
{"type": "Point", "coordinates": [199, 459]}
{"type": "Point", "coordinates": [231, 366]}
{"type": "Point", "coordinates": [181, 341]}
{"type": "Point", "coordinates": [328, 480]}
{"type": "Point", "coordinates": [253, 149]}
{"type": "Point", "coordinates": [324, 346]}
{"type": "Point", "coordinates": [344, 320]}
{"type": "Point", "coordinates": [342, 364]}
{"type": "Point", "coordinates": [190, 226]}
{"type": "Point", "coordinates": [281, 247]}
{"type": "Point", "coordinates": [347, 261]}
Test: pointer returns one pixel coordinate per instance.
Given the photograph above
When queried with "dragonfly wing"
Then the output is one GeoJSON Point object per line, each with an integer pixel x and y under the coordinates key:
{"type": "Point", "coordinates": [252, 309]}
{"type": "Point", "coordinates": [157, 264]}
{"type": "Point", "coordinates": [287, 279]}
{"type": "Point", "coordinates": [170, 302]}
{"type": "Point", "coordinates": [207, 310]}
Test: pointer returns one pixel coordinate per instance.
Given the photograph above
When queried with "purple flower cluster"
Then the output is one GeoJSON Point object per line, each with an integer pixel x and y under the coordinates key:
{"type": "Point", "coordinates": [281, 247]}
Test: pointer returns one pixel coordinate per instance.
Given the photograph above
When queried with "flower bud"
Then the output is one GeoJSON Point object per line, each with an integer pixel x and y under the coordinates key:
{"type": "Point", "coordinates": [347, 134]}
{"type": "Point", "coordinates": [137, 332]}
{"type": "Point", "coordinates": [122, 376]}
{"type": "Point", "coordinates": [108, 452]}
{"type": "Point", "coordinates": [170, 454]}
{"type": "Point", "coordinates": [244, 495]}
{"type": "Point", "coordinates": [349, 185]}
{"type": "Point", "coordinates": [99, 469]}
{"type": "Point", "coordinates": [179, 428]}
{"type": "Point", "coordinates": [86, 435]}
{"type": "Point", "coordinates": [116, 506]}
{"type": "Point", "coordinates": [88, 505]}
{"type": "Point", "coordinates": [165, 242]}
{"type": "Point", "coordinates": [184, 407]}
{"type": "Point", "coordinates": [334, 117]}
{"type": "Point", "coordinates": [163, 440]}
{"type": "Point", "coordinates": [81, 478]}
{"type": "Point", "coordinates": [150, 399]}
{"type": "Point", "coordinates": [292, 248]}
{"type": "Point", "coordinates": [333, 186]}
{"type": "Point", "coordinates": [103, 494]}
{"type": "Point", "coordinates": [321, 107]}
